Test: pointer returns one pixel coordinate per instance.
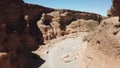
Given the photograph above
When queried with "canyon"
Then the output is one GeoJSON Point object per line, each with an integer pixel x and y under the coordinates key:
{"type": "Point", "coordinates": [24, 28]}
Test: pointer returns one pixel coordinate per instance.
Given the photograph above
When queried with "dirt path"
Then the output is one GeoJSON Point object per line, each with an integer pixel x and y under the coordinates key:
{"type": "Point", "coordinates": [64, 53]}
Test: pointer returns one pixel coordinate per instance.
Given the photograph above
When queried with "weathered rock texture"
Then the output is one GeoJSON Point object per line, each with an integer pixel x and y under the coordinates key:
{"type": "Point", "coordinates": [19, 33]}
{"type": "Point", "coordinates": [115, 8]}
{"type": "Point", "coordinates": [102, 49]}
{"type": "Point", "coordinates": [54, 24]}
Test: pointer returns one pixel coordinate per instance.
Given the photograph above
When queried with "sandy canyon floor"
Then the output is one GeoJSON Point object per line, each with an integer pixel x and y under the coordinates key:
{"type": "Point", "coordinates": [61, 52]}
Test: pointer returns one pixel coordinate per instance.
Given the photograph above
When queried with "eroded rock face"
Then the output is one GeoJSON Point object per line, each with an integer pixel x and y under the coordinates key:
{"type": "Point", "coordinates": [19, 33]}
{"type": "Point", "coordinates": [54, 24]}
{"type": "Point", "coordinates": [101, 50]}
{"type": "Point", "coordinates": [115, 8]}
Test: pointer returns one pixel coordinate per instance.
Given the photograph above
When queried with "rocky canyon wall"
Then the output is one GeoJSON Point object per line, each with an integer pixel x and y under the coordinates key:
{"type": "Point", "coordinates": [115, 9]}
{"type": "Point", "coordinates": [19, 32]}
{"type": "Point", "coordinates": [19, 36]}
{"type": "Point", "coordinates": [56, 23]}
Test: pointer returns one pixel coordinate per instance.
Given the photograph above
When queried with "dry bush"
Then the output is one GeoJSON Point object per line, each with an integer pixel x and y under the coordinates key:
{"type": "Point", "coordinates": [91, 25]}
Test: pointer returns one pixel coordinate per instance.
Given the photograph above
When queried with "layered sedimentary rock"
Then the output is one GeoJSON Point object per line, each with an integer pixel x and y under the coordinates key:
{"type": "Point", "coordinates": [54, 24]}
{"type": "Point", "coordinates": [115, 8]}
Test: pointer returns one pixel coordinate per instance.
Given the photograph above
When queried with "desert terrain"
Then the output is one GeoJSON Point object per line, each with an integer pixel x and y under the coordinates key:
{"type": "Point", "coordinates": [34, 36]}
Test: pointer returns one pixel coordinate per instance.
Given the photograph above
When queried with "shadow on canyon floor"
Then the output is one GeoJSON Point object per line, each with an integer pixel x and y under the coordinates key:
{"type": "Point", "coordinates": [25, 60]}
{"type": "Point", "coordinates": [37, 61]}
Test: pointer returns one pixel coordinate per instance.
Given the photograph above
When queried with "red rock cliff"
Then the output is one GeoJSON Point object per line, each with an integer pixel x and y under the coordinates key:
{"type": "Point", "coordinates": [19, 33]}
{"type": "Point", "coordinates": [19, 36]}
{"type": "Point", "coordinates": [115, 8]}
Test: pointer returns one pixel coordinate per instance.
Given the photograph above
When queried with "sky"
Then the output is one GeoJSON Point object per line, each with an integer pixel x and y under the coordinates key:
{"type": "Point", "coordinates": [94, 6]}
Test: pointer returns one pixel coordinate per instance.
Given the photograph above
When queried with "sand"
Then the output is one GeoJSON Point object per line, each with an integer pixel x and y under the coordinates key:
{"type": "Point", "coordinates": [63, 54]}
